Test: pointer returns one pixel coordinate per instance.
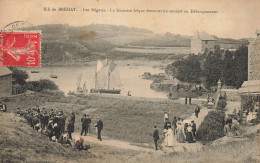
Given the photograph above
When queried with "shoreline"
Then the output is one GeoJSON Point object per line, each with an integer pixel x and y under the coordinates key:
{"type": "Point", "coordinates": [132, 62]}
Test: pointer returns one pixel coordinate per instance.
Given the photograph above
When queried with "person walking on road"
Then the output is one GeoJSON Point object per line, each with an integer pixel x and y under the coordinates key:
{"type": "Point", "coordinates": [84, 124]}
{"type": "Point", "coordinates": [190, 100]}
{"type": "Point", "coordinates": [186, 100]}
{"type": "Point", "coordinates": [155, 137]}
{"type": "Point", "coordinates": [99, 126]}
{"type": "Point", "coordinates": [197, 110]}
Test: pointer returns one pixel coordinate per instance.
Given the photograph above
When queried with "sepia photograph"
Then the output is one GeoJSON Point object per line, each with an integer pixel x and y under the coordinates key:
{"type": "Point", "coordinates": [130, 81]}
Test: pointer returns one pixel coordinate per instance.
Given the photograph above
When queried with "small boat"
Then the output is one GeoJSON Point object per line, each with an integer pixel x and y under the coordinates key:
{"type": "Point", "coordinates": [54, 76]}
{"type": "Point", "coordinates": [79, 90]}
{"type": "Point", "coordinates": [107, 78]}
{"type": "Point", "coordinates": [34, 71]}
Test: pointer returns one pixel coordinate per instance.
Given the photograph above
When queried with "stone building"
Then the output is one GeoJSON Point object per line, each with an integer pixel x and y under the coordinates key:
{"type": "Point", "coordinates": [202, 41]}
{"type": "Point", "coordinates": [251, 89]}
{"type": "Point", "coordinates": [5, 82]}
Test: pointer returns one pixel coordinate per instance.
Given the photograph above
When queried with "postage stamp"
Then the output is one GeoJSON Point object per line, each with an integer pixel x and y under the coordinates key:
{"type": "Point", "coordinates": [20, 48]}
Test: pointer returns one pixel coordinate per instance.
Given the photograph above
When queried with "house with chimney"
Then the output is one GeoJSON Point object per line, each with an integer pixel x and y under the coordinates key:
{"type": "Point", "coordinates": [201, 42]}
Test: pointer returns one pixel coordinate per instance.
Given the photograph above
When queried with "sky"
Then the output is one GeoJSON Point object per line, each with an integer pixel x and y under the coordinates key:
{"type": "Point", "coordinates": [234, 18]}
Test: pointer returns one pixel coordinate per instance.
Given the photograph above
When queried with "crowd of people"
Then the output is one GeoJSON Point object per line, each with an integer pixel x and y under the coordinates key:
{"type": "Point", "coordinates": [52, 123]}
{"type": "Point", "coordinates": [184, 130]}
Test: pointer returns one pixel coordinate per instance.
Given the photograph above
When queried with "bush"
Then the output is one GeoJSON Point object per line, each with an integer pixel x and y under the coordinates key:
{"type": "Point", "coordinates": [212, 127]}
{"type": "Point", "coordinates": [222, 103]}
{"type": "Point", "coordinates": [42, 84]}
{"type": "Point", "coordinates": [56, 93]}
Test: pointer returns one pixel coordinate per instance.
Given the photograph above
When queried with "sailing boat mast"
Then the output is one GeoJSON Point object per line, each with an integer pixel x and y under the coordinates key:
{"type": "Point", "coordinates": [108, 82]}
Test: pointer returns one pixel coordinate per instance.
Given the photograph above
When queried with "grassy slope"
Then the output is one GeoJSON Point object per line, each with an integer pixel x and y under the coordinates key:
{"type": "Point", "coordinates": [126, 118]}
{"type": "Point", "coordinates": [35, 147]}
{"type": "Point", "coordinates": [19, 142]}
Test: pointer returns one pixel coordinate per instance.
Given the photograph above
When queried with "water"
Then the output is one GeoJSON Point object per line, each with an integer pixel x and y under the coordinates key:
{"type": "Point", "coordinates": [158, 50]}
{"type": "Point", "coordinates": [130, 78]}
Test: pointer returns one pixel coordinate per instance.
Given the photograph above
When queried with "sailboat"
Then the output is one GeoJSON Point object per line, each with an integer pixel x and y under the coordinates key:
{"type": "Point", "coordinates": [107, 78]}
{"type": "Point", "coordinates": [85, 90]}
{"type": "Point", "coordinates": [79, 89]}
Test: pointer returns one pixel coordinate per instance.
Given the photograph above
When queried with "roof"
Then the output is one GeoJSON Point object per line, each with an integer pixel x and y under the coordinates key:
{"type": "Point", "coordinates": [257, 31]}
{"type": "Point", "coordinates": [205, 36]}
{"type": "Point", "coordinates": [5, 71]}
{"type": "Point", "coordinates": [251, 86]}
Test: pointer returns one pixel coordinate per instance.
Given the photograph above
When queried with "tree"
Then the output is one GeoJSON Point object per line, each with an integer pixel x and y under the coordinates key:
{"type": "Point", "coordinates": [228, 69]}
{"type": "Point", "coordinates": [42, 84]}
{"type": "Point", "coordinates": [212, 69]}
{"type": "Point", "coordinates": [241, 66]}
{"type": "Point", "coordinates": [188, 70]}
{"type": "Point", "coordinates": [20, 76]}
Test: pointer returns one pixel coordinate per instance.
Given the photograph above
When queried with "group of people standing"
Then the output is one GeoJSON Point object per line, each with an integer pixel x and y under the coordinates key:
{"type": "Point", "coordinates": [52, 124]}
{"type": "Point", "coordinates": [186, 100]}
{"type": "Point", "coordinates": [184, 130]}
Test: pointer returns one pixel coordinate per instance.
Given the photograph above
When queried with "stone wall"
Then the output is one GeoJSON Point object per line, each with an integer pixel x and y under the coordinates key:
{"type": "Point", "coordinates": [195, 45]}
{"type": "Point", "coordinates": [231, 94]}
{"type": "Point", "coordinates": [254, 59]}
{"type": "Point", "coordinates": [209, 44]}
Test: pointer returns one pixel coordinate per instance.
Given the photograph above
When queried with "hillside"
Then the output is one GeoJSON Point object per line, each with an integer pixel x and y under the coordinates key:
{"type": "Point", "coordinates": [165, 40]}
{"type": "Point", "coordinates": [64, 43]}
{"type": "Point", "coordinates": [20, 143]}
{"type": "Point", "coordinates": [61, 42]}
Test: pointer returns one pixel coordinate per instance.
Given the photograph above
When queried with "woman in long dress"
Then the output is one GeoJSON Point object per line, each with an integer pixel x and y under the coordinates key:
{"type": "Point", "coordinates": [189, 136]}
{"type": "Point", "coordinates": [180, 132]}
{"type": "Point", "coordinates": [170, 137]}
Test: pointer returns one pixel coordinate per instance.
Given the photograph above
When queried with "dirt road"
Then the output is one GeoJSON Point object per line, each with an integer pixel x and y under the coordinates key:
{"type": "Point", "coordinates": [181, 147]}
{"type": "Point", "coordinates": [111, 142]}
{"type": "Point", "coordinates": [178, 147]}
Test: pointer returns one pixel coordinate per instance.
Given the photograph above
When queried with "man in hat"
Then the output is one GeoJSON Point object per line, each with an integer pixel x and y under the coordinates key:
{"type": "Point", "coordinates": [99, 126]}
{"type": "Point", "coordinates": [84, 124]}
{"type": "Point", "coordinates": [45, 119]}
{"type": "Point", "coordinates": [229, 121]}
{"type": "Point", "coordinates": [193, 126]}
{"type": "Point", "coordinates": [89, 123]}
{"type": "Point", "coordinates": [155, 137]}
{"type": "Point", "coordinates": [56, 131]}
{"type": "Point", "coordinates": [197, 110]}
{"type": "Point", "coordinates": [72, 118]}
{"type": "Point", "coordinates": [174, 125]}
{"type": "Point", "coordinates": [70, 129]}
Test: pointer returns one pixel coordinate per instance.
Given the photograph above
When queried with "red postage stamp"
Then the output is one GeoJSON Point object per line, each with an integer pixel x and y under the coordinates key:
{"type": "Point", "coordinates": [20, 49]}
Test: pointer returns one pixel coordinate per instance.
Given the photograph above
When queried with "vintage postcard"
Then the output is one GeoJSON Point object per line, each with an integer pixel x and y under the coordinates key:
{"type": "Point", "coordinates": [130, 81]}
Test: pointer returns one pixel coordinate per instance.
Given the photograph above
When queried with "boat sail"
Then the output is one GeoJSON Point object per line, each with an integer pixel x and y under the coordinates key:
{"type": "Point", "coordinates": [85, 87]}
{"type": "Point", "coordinates": [79, 89]}
{"type": "Point", "coordinates": [107, 78]}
